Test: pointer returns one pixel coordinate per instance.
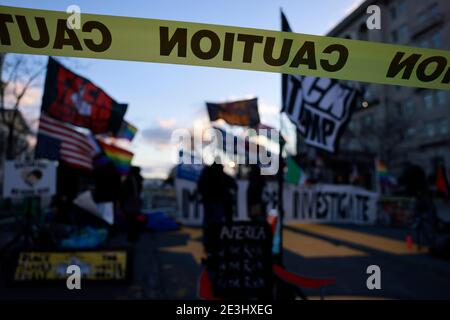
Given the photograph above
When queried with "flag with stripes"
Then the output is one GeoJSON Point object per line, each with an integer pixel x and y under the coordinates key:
{"type": "Point", "coordinates": [64, 142]}
{"type": "Point", "coordinates": [320, 108]}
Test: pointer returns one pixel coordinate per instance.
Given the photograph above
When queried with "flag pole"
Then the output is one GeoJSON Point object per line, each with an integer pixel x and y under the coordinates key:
{"type": "Point", "coordinates": [281, 168]}
{"type": "Point", "coordinates": [280, 193]}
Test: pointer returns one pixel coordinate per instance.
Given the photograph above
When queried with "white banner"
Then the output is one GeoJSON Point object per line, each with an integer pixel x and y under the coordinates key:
{"type": "Point", "coordinates": [29, 179]}
{"type": "Point", "coordinates": [319, 203]}
{"type": "Point", "coordinates": [330, 203]}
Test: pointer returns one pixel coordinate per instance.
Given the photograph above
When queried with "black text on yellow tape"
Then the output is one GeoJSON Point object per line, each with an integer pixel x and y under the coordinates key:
{"type": "Point", "coordinates": [122, 38]}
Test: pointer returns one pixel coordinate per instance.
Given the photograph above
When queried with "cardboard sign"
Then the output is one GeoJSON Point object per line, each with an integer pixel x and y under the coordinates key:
{"type": "Point", "coordinates": [29, 179]}
{"type": "Point", "coordinates": [94, 265]}
{"type": "Point", "coordinates": [241, 260]}
{"type": "Point", "coordinates": [176, 42]}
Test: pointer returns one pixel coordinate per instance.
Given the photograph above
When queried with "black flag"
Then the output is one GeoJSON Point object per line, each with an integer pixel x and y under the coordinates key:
{"type": "Point", "coordinates": [320, 108]}
{"type": "Point", "coordinates": [237, 113]}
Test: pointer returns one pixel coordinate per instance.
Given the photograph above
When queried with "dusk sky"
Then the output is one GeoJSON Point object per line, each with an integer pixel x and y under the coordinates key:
{"type": "Point", "coordinates": [162, 97]}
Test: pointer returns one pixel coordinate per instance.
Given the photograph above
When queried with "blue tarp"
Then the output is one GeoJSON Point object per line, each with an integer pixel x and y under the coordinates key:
{"type": "Point", "coordinates": [88, 238]}
{"type": "Point", "coordinates": [159, 221]}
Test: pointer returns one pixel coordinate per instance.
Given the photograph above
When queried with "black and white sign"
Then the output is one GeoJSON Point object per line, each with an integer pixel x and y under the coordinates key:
{"type": "Point", "coordinates": [319, 107]}
{"type": "Point", "coordinates": [241, 262]}
{"type": "Point", "coordinates": [29, 179]}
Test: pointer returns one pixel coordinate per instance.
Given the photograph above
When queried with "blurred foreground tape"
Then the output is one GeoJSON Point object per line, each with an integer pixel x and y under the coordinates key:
{"type": "Point", "coordinates": [122, 38]}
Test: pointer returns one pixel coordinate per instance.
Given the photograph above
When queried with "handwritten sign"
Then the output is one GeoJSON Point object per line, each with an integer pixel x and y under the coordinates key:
{"type": "Point", "coordinates": [241, 261]}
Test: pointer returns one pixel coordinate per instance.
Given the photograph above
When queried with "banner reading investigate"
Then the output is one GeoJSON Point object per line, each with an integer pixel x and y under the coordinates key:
{"type": "Point", "coordinates": [109, 37]}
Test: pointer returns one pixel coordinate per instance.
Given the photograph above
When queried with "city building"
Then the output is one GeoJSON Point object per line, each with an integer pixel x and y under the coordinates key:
{"type": "Point", "coordinates": [401, 125]}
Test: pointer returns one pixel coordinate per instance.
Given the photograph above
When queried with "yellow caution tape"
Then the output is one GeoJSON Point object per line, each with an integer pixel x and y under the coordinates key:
{"type": "Point", "coordinates": [110, 37]}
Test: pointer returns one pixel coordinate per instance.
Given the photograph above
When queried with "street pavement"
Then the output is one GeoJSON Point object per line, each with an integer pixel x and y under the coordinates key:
{"type": "Point", "coordinates": [167, 265]}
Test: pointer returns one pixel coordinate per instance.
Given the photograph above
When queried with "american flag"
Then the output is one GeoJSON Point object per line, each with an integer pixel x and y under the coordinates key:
{"type": "Point", "coordinates": [61, 141]}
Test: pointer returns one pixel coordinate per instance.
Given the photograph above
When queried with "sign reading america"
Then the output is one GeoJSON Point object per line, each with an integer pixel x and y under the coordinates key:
{"type": "Point", "coordinates": [74, 99]}
{"type": "Point", "coordinates": [319, 107]}
{"type": "Point", "coordinates": [237, 113]}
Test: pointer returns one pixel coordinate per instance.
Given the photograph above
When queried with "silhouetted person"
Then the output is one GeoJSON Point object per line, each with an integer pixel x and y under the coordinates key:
{"type": "Point", "coordinates": [216, 190]}
{"type": "Point", "coordinates": [256, 207]}
{"type": "Point", "coordinates": [131, 201]}
{"type": "Point", "coordinates": [425, 219]}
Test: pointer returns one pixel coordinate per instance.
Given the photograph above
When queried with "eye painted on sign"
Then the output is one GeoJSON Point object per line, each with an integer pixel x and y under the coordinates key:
{"type": "Point", "coordinates": [64, 36]}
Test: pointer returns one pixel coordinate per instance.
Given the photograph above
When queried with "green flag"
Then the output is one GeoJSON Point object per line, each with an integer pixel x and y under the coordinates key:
{"type": "Point", "coordinates": [294, 172]}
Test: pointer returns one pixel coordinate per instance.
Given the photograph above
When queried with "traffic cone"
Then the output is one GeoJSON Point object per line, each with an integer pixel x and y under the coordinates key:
{"type": "Point", "coordinates": [409, 241]}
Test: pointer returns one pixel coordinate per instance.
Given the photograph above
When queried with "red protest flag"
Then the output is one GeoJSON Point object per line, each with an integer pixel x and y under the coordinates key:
{"type": "Point", "coordinates": [71, 98]}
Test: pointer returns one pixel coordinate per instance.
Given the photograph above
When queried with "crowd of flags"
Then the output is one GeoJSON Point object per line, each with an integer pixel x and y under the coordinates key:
{"type": "Point", "coordinates": [309, 103]}
{"type": "Point", "coordinates": [76, 117]}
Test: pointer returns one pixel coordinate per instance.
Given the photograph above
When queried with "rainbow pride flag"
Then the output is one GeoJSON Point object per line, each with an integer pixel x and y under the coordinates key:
{"type": "Point", "coordinates": [121, 158]}
{"type": "Point", "coordinates": [384, 178]}
{"type": "Point", "coordinates": [127, 131]}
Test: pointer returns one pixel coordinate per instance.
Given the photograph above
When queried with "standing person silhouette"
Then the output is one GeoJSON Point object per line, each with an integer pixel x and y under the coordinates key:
{"type": "Point", "coordinates": [131, 201]}
{"type": "Point", "coordinates": [216, 190]}
{"type": "Point", "coordinates": [256, 207]}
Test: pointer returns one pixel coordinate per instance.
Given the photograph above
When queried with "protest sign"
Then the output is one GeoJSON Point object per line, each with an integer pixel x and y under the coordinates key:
{"type": "Point", "coordinates": [241, 262]}
{"type": "Point", "coordinates": [29, 179]}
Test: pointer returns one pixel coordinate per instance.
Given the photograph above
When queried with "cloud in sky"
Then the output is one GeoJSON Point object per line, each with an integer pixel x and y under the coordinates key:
{"type": "Point", "coordinates": [158, 135]}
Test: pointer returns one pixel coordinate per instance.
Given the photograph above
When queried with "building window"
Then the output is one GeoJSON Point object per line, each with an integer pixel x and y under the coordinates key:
{"type": "Point", "coordinates": [444, 127]}
{"type": "Point", "coordinates": [403, 33]}
{"type": "Point", "coordinates": [394, 36]}
{"type": "Point", "coordinates": [441, 97]}
{"type": "Point", "coordinates": [393, 13]}
{"type": "Point", "coordinates": [428, 100]}
{"type": "Point", "coordinates": [398, 108]}
{"type": "Point", "coordinates": [436, 40]}
{"type": "Point", "coordinates": [410, 132]}
{"type": "Point", "coordinates": [368, 120]}
{"type": "Point", "coordinates": [351, 126]}
{"type": "Point", "coordinates": [422, 18]}
{"type": "Point", "coordinates": [434, 10]}
{"type": "Point", "coordinates": [424, 43]}
{"type": "Point", "coordinates": [408, 107]}
{"type": "Point", "coordinates": [430, 130]}
{"type": "Point", "coordinates": [353, 145]}
{"type": "Point", "coordinates": [402, 8]}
